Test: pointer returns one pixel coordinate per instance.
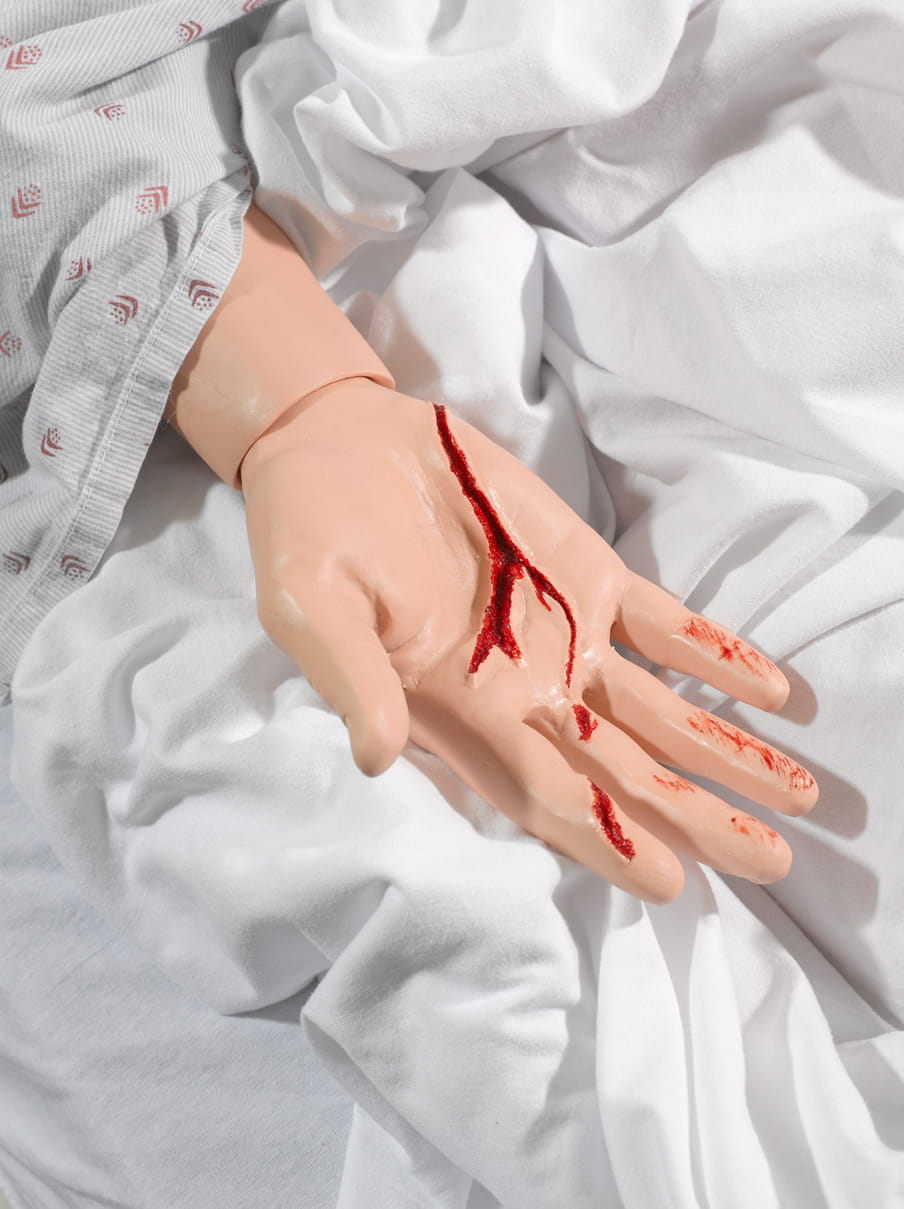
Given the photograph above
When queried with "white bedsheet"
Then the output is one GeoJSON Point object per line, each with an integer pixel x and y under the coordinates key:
{"type": "Point", "coordinates": [119, 1089]}
{"type": "Point", "coordinates": [660, 260]}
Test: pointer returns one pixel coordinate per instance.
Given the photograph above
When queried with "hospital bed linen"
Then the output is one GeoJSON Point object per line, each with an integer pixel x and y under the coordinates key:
{"type": "Point", "coordinates": [118, 1088]}
{"type": "Point", "coordinates": [655, 252]}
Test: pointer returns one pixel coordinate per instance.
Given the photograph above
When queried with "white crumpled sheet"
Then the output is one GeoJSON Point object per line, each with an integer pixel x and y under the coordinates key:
{"type": "Point", "coordinates": [119, 1089]}
{"type": "Point", "coordinates": [658, 253]}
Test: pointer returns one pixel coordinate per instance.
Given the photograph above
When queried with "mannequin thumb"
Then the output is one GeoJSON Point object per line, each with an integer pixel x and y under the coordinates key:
{"type": "Point", "coordinates": [343, 659]}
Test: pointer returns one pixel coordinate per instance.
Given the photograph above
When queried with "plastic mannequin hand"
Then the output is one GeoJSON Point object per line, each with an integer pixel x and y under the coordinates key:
{"type": "Point", "coordinates": [430, 585]}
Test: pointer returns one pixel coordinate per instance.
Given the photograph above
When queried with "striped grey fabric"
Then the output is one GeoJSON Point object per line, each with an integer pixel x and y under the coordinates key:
{"type": "Point", "coordinates": [123, 184]}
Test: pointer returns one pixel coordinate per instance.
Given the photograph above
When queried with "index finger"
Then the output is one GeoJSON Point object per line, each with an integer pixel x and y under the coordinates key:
{"type": "Point", "coordinates": [657, 626]}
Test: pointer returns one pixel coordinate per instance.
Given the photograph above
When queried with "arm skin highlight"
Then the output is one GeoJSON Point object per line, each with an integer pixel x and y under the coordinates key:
{"type": "Point", "coordinates": [275, 337]}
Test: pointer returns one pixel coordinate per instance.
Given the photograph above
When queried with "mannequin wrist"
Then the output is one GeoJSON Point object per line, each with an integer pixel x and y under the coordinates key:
{"type": "Point", "coordinates": [274, 339]}
{"type": "Point", "coordinates": [333, 406]}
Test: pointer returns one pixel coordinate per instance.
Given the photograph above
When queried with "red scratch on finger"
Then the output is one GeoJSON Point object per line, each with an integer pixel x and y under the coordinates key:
{"type": "Point", "coordinates": [791, 773]}
{"type": "Point", "coordinates": [587, 724]}
{"type": "Point", "coordinates": [679, 784]}
{"type": "Point", "coordinates": [508, 563]}
{"type": "Point", "coordinates": [729, 648]}
{"type": "Point", "coordinates": [604, 812]}
{"type": "Point", "coordinates": [744, 823]}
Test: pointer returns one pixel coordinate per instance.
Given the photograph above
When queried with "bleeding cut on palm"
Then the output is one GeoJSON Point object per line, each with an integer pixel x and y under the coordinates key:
{"type": "Point", "coordinates": [431, 587]}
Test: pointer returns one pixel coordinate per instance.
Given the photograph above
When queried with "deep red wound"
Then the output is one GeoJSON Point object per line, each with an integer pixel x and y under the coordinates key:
{"type": "Point", "coordinates": [587, 724]}
{"type": "Point", "coordinates": [508, 563]}
{"type": "Point", "coordinates": [605, 816]}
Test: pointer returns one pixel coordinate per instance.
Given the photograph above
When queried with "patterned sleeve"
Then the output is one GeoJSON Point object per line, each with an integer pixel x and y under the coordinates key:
{"type": "Point", "coordinates": [122, 189]}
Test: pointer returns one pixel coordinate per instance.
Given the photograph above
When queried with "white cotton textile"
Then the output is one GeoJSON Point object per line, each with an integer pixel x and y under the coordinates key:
{"type": "Point", "coordinates": [120, 1089]}
{"type": "Point", "coordinates": [658, 255]}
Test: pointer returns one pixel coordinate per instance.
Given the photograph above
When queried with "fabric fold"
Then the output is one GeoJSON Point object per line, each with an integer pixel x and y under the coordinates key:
{"type": "Point", "coordinates": [675, 296]}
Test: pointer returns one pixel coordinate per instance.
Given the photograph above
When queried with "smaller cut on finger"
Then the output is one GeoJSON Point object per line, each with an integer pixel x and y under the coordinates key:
{"type": "Point", "coordinates": [684, 816]}
{"type": "Point", "coordinates": [522, 775]}
{"type": "Point", "coordinates": [683, 736]}
{"type": "Point", "coordinates": [653, 624]}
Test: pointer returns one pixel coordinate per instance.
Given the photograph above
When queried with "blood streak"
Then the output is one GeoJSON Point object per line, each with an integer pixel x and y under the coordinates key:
{"type": "Point", "coordinates": [712, 728]}
{"type": "Point", "coordinates": [587, 724]}
{"type": "Point", "coordinates": [729, 647]}
{"type": "Point", "coordinates": [677, 783]}
{"type": "Point", "coordinates": [747, 821]}
{"type": "Point", "coordinates": [605, 815]}
{"type": "Point", "coordinates": [508, 563]}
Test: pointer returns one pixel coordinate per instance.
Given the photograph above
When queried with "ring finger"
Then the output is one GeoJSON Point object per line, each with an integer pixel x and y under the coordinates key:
{"type": "Point", "coordinates": [684, 816]}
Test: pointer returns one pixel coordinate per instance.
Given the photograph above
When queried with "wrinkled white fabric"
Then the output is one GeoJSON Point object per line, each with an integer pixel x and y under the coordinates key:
{"type": "Point", "coordinates": [657, 253]}
{"type": "Point", "coordinates": [117, 1088]}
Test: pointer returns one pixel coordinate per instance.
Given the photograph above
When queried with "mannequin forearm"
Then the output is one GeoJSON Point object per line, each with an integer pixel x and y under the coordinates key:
{"type": "Point", "coordinates": [274, 338]}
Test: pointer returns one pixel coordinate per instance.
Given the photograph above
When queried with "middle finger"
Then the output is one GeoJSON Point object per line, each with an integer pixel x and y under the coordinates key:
{"type": "Point", "coordinates": [681, 734]}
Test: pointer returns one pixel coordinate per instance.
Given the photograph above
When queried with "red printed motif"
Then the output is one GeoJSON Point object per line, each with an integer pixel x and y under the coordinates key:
{"type": "Point", "coordinates": [123, 308]}
{"type": "Point", "coordinates": [112, 112]}
{"type": "Point", "coordinates": [50, 443]}
{"type": "Point", "coordinates": [78, 268]}
{"type": "Point", "coordinates": [9, 344]}
{"type": "Point", "coordinates": [72, 567]}
{"type": "Point", "coordinates": [189, 30]}
{"type": "Point", "coordinates": [152, 199]}
{"type": "Point", "coordinates": [202, 294]}
{"type": "Point", "coordinates": [25, 201]}
{"type": "Point", "coordinates": [240, 151]}
{"type": "Point", "coordinates": [22, 56]}
{"type": "Point", "coordinates": [16, 563]}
